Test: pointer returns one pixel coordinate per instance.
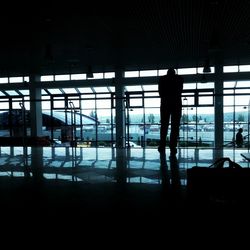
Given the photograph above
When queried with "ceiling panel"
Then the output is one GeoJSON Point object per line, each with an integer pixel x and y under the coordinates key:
{"type": "Point", "coordinates": [138, 34]}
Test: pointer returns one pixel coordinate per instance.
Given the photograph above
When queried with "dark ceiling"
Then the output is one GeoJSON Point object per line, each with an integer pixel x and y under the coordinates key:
{"type": "Point", "coordinates": [132, 35]}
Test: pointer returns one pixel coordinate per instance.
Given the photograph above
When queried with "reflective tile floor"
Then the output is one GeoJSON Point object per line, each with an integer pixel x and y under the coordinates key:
{"type": "Point", "coordinates": [100, 165]}
{"type": "Point", "coordinates": [104, 184]}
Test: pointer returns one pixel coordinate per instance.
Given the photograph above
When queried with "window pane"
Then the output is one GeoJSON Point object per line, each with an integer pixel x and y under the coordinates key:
{"type": "Point", "coordinates": [187, 71]}
{"type": "Point", "coordinates": [228, 100]}
{"type": "Point", "coordinates": [98, 76]}
{"type": "Point", "coordinates": [70, 90]}
{"type": "Point", "coordinates": [85, 90]}
{"type": "Point", "coordinates": [109, 75]}
{"type": "Point", "coordinates": [145, 73]}
{"type": "Point", "coordinates": [4, 79]}
{"type": "Point", "coordinates": [103, 103]}
{"type": "Point", "coordinates": [152, 102]}
{"type": "Point", "coordinates": [189, 86]}
{"type": "Point", "coordinates": [229, 84]}
{"type": "Point", "coordinates": [78, 77]}
{"type": "Point", "coordinates": [131, 74]}
{"type": "Point", "coordinates": [208, 100]}
{"type": "Point", "coordinates": [208, 85]}
{"type": "Point", "coordinates": [243, 84]}
{"type": "Point", "coordinates": [162, 72]}
{"type": "Point", "coordinates": [62, 77]}
{"type": "Point", "coordinates": [229, 69]}
{"type": "Point", "coordinates": [47, 78]}
{"type": "Point", "coordinates": [135, 102]}
{"type": "Point", "coordinates": [88, 104]}
{"type": "Point", "coordinates": [133, 88]}
{"type": "Point", "coordinates": [244, 68]}
{"type": "Point", "coordinates": [16, 79]}
{"type": "Point", "coordinates": [54, 91]}
{"type": "Point", "coordinates": [242, 100]}
{"type": "Point", "coordinates": [11, 92]}
{"type": "Point", "coordinates": [59, 104]}
{"type": "Point", "coordinates": [150, 87]}
{"type": "Point", "coordinates": [101, 89]}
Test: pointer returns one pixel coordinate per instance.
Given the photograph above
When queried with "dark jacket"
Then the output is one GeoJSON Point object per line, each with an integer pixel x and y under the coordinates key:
{"type": "Point", "coordinates": [170, 88]}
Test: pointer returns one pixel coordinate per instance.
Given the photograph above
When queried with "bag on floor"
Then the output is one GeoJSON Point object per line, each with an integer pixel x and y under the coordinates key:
{"type": "Point", "coordinates": [224, 180]}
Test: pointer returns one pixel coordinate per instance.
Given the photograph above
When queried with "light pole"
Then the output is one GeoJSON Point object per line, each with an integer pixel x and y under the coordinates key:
{"type": "Point", "coordinates": [248, 125]}
{"type": "Point", "coordinates": [73, 123]}
{"type": "Point", "coordinates": [186, 122]}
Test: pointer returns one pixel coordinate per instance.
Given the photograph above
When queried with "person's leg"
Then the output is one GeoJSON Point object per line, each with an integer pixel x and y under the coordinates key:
{"type": "Point", "coordinates": [175, 127]}
{"type": "Point", "coordinates": [165, 116]}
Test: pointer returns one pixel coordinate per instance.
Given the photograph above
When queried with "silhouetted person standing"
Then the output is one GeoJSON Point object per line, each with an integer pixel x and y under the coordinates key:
{"type": "Point", "coordinates": [170, 88]}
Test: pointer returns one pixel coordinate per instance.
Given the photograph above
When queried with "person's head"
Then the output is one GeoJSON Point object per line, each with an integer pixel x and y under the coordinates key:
{"type": "Point", "coordinates": [240, 130]}
{"type": "Point", "coordinates": [171, 72]}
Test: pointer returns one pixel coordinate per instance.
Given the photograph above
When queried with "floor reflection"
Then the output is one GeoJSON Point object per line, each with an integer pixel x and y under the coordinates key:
{"type": "Point", "coordinates": [98, 165]}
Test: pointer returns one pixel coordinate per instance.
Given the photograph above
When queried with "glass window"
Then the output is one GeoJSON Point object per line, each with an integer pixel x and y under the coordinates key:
{"type": "Point", "coordinates": [62, 77]}
{"type": "Point", "coordinates": [76, 103]}
{"type": "Point", "coordinates": [242, 91]}
{"type": "Point", "coordinates": [187, 100]}
{"type": "Point", "coordinates": [24, 91]}
{"type": "Point", "coordinates": [26, 79]}
{"type": "Point", "coordinates": [98, 76]}
{"type": "Point", "coordinates": [46, 105]}
{"type": "Point", "coordinates": [146, 94]}
{"type": "Point", "coordinates": [146, 73]}
{"type": "Point", "coordinates": [152, 102]}
{"type": "Point", "coordinates": [205, 100]}
{"type": "Point", "coordinates": [230, 69]}
{"type": "Point", "coordinates": [54, 91]}
{"type": "Point", "coordinates": [102, 104]}
{"type": "Point", "coordinates": [207, 85]}
{"type": "Point", "coordinates": [101, 89]}
{"type": "Point", "coordinates": [4, 79]}
{"type": "Point", "coordinates": [244, 68]}
{"type": "Point", "coordinates": [85, 90]}
{"type": "Point", "coordinates": [58, 104]}
{"type": "Point", "coordinates": [133, 88]}
{"type": "Point", "coordinates": [47, 78]}
{"type": "Point", "coordinates": [88, 104]}
{"type": "Point", "coordinates": [4, 104]}
{"type": "Point", "coordinates": [228, 91]}
{"type": "Point", "coordinates": [11, 92]}
{"type": "Point", "coordinates": [189, 86]}
{"type": "Point", "coordinates": [109, 75]}
{"type": "Point", "coordinates": [243, 84]}
{"type": "Point", "coordinates": [162, 72]}
{"type": "Point", "coordinates": [78, 77]}
{"type": "Point", "coordinates": [242, 100]}
{"type": "Point", "coordinates": [103, 95]}
{"type": "Point", "coordinates": [187, 71]}
{"type": "Point", "coordinates": [228, 100]}
{"type": "Point", "coordinates": [229, 84]}
{"type": "Point", "coordinates": [112, 89]}
{"type": "Point", "coordinates": [16, 79]}
{"type": "Point", "coordinates": [150, 87]}
{"type": "Point", "coordinates": [131, 74]}
{"type": "Point", "coordinates": [136, 102]}
{"type": "Point", "coordinates": [70, 90]}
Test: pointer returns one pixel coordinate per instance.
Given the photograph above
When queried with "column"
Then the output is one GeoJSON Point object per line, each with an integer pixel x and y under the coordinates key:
{"type": "Point", "coordinates": [35, 107]}
{"type": "Point", "coordinates": [119, 110]}
{"type": "Point", "coordinates": [218, 102]}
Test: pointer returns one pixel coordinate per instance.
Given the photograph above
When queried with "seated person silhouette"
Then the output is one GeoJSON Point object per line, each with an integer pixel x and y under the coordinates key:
{"type": "Point", "coordinates": [239, 138]}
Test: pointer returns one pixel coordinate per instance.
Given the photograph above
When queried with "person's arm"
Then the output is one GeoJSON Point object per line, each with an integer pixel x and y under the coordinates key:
{"type": "Point", "coordinates": [160, 87]}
